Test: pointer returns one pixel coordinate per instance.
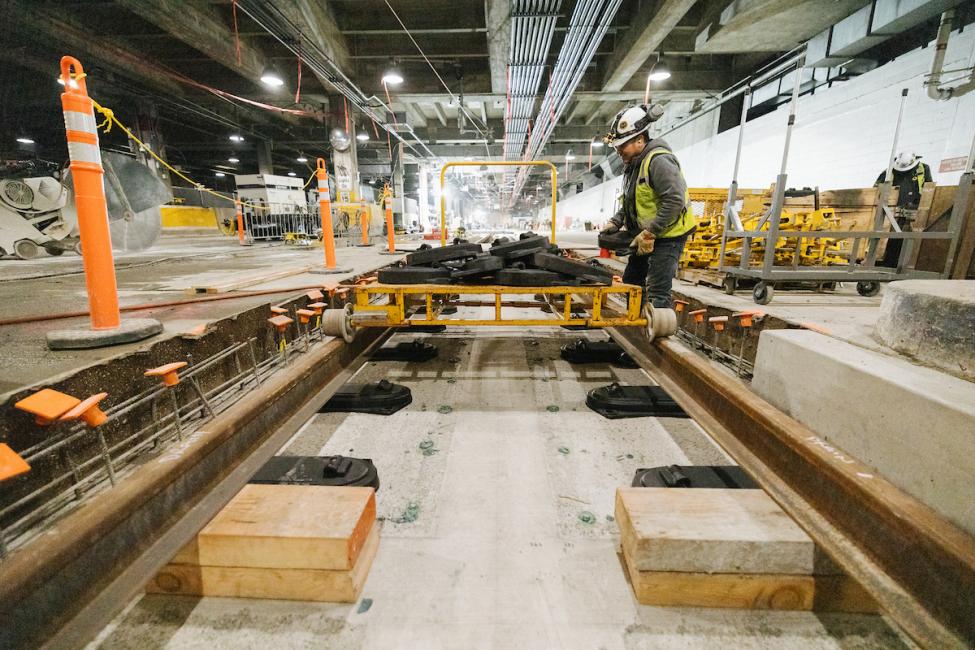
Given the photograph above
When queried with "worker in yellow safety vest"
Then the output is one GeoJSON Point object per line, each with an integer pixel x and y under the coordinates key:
{"type": "Point", "coordinates": [655, 205]}
{"type": "Point", "coordinates": [910, 175]}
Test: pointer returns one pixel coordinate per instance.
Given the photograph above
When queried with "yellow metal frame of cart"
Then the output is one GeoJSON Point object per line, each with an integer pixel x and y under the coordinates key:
{"type": "Point", "coordinates": [433, 296]}
{"type": "Point", "coordinates": [492, 163]}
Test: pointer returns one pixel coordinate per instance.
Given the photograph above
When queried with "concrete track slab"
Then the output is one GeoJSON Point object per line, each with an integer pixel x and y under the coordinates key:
{"type": "Point", "coordinates": [496, 556]}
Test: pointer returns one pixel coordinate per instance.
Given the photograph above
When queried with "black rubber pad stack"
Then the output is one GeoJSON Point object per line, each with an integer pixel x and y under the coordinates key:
{"type": "Point", "coordinates": [520, 249]}
{"type": "Point", "coordinates": [443, 254]}
{"type": "Point", "coordinates": [413, 275]}
{"type": "Point", "coordinates": [483, 267]}
{"type": "Point", "coordinates": [565, 266]}
{"type": "Point", "coordinates": [531, 278]}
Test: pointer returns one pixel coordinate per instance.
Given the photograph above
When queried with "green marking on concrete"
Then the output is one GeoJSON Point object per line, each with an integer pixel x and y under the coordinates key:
{"type": "Point", "coordinates": [451, 381]}
{"type": "Point", "coordinates": [552, 408]}
{"type": "Point", "coordinates": [587, 517]}
{"type": "Point", "coordinates": [443, 408]}
{"type": "Point", "coordinates": [564, 450]}
{"type": "Point", "coordinates": [409, 515]}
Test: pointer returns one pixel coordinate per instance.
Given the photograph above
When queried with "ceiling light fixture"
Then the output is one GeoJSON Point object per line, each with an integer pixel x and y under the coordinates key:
{"type": "Point", "coordinates": [233, 160]}
{"type": "Point", "coordinates": [236, 137]}
{"type": "Point", "coordinates": [292, 174]}
{"type": "Point", "coordinates": [659, 75]}
{"type": "Point", "coordinates": [219, 174]}
{"type": "Point", "coordinates": [272, 77]}
{"type": "Point", "coordinates": [25, 141]}
{"type": "Point", "coordinates": [301, 158]}
{"type": "Point", "coordinates": [392, 77]}
{"type": "Point", "coordinates": [362, 136]}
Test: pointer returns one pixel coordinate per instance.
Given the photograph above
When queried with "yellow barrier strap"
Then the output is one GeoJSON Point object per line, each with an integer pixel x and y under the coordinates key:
{"type": "Point", "coordinates": [110, 119]}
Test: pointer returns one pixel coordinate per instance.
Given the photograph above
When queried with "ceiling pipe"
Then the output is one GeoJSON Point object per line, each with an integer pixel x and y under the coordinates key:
{"type": "Point", "coordinates": [933, 82]}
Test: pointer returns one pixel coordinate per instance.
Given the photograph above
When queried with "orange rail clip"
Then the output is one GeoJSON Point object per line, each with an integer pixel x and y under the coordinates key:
{"type": "Point", "coordinates": [305, 315]}
{"type": "Point", "coordinates": [315, 295]}
{"type": "Point", "coordinates": [279, 310]}
{"type": "Point", "coordinates": [168, 372]}
{"type": "Point", "coordinates": [718, 322]}
{"type": "Point", "coordinates": [698, 315]}
{"type": "Point", "coordinates": [280, 322]}
{"type": "Point", "coordinates": [317, 307]}
{"type": "Point", "coordinates": [680, 305]}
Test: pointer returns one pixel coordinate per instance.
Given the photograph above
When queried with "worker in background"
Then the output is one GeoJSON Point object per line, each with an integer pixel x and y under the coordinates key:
{"type": "Point", "coordinates": [910, 175]}
{"type": "Point", "coordinates": [655, 205]}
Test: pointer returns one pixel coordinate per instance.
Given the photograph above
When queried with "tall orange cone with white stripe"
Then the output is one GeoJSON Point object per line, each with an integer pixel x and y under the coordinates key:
{"type": "Point", "coordinates": [87, 175]}
{"type": "Point", "coordinates": [390, 229]}
{"type": "Point", "coordinates": [325, 210]}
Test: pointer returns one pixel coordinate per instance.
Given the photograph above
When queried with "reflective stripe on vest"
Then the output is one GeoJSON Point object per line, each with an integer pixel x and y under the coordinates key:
{"type": "Point", "coordinates": [919, 177]}
{"type": "Point", "coordinates": [648, 200]}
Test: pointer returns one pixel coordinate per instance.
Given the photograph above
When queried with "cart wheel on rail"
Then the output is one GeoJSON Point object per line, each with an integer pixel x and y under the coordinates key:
{"type": "Point", "coordinates": [730, 284]}
{"type": "Point", "coordinates": [868, 289]}
{"type": "Point", "coordinates": [763, 293]}
{"type": "Point", "coordinates": [338, 322]}
{"type": "Point", "coordinates": [660, 322]}
{"type": "Point", "coordinates": [26, 249]}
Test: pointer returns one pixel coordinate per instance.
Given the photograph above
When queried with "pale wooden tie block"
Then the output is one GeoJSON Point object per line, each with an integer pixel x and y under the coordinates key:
{"type": "Point", "coordinates": [293, 542]}
{"type": "Point", "coordinates": [726, 548]}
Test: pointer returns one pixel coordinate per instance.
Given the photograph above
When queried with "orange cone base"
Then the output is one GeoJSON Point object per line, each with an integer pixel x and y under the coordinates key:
{"type": "Point", "coordinates": [131, 330]}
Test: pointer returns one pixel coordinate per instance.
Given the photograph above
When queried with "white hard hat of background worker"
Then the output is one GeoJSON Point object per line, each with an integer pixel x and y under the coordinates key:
{"type": "Point", "coordinates": [631, 122]}
{"type": "Point", "coordinates": [906, 160]}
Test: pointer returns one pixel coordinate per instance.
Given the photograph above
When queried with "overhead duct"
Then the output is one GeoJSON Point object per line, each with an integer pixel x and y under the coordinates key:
{"type": "Point", "coordinates": [587, 27]}
{"type": "Point", "coordinates": [532, 26]}
{"type": "Point", "coordinates": [870, 26]}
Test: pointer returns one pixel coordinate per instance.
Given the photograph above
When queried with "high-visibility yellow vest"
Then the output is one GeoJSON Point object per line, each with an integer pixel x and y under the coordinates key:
{"type": "Point", "coordinates": [647, 201]}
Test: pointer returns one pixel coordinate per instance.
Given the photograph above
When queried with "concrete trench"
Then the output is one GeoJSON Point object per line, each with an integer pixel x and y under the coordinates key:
{"type": "Point", "coordinates": [500, 533]}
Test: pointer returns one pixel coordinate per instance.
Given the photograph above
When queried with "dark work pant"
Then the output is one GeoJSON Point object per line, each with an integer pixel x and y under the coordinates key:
{"type": "Point", "coordinates": [892, 252]}
{"type": "Point", "coordinates": [655, 272]}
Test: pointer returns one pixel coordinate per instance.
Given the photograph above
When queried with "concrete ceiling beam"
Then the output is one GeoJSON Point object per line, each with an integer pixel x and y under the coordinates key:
{"type": "Point", "coordinates": [647, 32]}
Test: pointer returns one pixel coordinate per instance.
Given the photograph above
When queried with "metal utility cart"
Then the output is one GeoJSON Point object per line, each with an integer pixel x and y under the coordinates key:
{"type": "Point", "coordinates": [861, 269]}
{"type": "Point", "coordinates": [376, 304]}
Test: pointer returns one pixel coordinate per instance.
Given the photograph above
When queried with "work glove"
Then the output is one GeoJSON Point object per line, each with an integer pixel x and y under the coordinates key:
{"type": "Point", "coordinates": [611, 229]}
{"type": "Point", "coordinates": [643, 243]}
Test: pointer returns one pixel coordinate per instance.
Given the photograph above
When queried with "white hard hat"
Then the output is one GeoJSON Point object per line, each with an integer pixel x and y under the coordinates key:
{"type": "Point", "coordinates": [631, 122]}
{"type": "Point", "coordinates": [906, 160]}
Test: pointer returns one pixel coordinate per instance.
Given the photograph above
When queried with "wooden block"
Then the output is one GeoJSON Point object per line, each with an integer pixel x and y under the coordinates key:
{"type": "Point", "coordinates": [840, 593]}
{"type": "Point", "coordinates": [729, 590]}
{"type": "Point", "coordinates": [290, 527]}
{"type": "Point", "coordinates": [318, 585]}
{"type": "Point", "coordinates": [711, 531]}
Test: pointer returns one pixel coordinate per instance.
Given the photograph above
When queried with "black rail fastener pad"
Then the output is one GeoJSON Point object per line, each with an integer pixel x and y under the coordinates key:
{"type": "Point", "coordinates": [583, 351]}
{"type": "Point", "coordinates": [406, 351]}
{"type": "Point", "coordinates": [530, 278]}
{"type": "Point", "coordinates": [695, 476]}
{"type": "Point", "coordinates": [537, 242]}
{"type": "Point", "coordinates": [480, 265]}
{"type": "Point", "coordinates": [582, 270]}
{"type": "Point", "coordinates": [444, 254]}
{"type": "Point", "coordinates": [379, 398]}
{"type": "Point", "coordinates": [428, 329]}
{"type": "Point", "coordinates": [618, 242]}
{"type": "Point", "coordinates": [413, 275]}
{"type": "Point", "coordinates": [318, 470]}
{"type": "Point", "coordinates": [615, 402]}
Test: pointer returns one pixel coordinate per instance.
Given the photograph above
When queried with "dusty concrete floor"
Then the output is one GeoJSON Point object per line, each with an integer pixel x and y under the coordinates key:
{"type": "Point", "coordinates": [482, 542]}
{"type": "Point", "coordinates": [50, 285]}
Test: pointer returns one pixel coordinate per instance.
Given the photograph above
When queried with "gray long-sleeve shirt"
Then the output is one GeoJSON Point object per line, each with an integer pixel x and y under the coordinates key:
{"type": "Point", "coordinates": [667, 181]}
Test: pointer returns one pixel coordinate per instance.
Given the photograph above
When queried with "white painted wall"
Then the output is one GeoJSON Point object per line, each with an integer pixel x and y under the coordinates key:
{"type": "Point", "coordinates": [842, 137]}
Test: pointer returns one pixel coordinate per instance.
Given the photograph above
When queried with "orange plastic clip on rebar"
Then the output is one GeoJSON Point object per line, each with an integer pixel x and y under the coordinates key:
{"type": "Point", "coordinates": [317, 307]}
{"type": "Point", "coordinates": [47, 405]}
{"type": "Point", "coordinates": [305, 315]}
{"type": "Point", "coordinates": [168, 372]}
{"type": "Point", "coordinates": [88, 411]}
{"type": "Point", "coordinates": [698, 315]}
{"type": "Point", "coordinates": [11, 464]}
{"type": "Point", "coordinates": [325, 208]}
{"type": "Point", "coordinates": [280, 311]}
{"type": "Point", "coordinates": [746, 318]}
{"type": "Point", "coordinates": [315, 295]}
{"type": "Point", "coordinates": [280, 322]}
{"type": "Point", "coordinates": [718, 322]}
{"type": "Point", "coordinates": [680, 305]}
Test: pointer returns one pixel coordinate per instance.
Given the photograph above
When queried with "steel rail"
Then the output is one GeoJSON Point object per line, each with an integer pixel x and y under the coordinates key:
{"type": "Point", "coordinates": [65, 586]}
{"type": "Point", "coordinates": [918, 566]}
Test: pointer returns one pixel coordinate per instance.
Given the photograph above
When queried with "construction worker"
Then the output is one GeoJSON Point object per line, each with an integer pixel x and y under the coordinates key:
{"type": "Point", "coordinates": [654, 205]}
{"type": "Point", "coordinates": [910, 175]}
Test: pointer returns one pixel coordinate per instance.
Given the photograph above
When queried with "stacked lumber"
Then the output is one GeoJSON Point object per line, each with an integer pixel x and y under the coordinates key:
{"type": "Point", "coordinates": [288, 542]}
{"type": "Point", "coordinates": [726, 548]}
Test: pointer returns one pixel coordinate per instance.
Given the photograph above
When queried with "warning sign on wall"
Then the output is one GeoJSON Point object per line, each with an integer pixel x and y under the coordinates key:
{"type": "Point", "coordinates": [952, 164]}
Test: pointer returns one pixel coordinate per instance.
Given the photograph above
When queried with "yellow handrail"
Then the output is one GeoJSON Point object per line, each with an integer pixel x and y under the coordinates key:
{"type": "Point", "coordinates": [494, 163]}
